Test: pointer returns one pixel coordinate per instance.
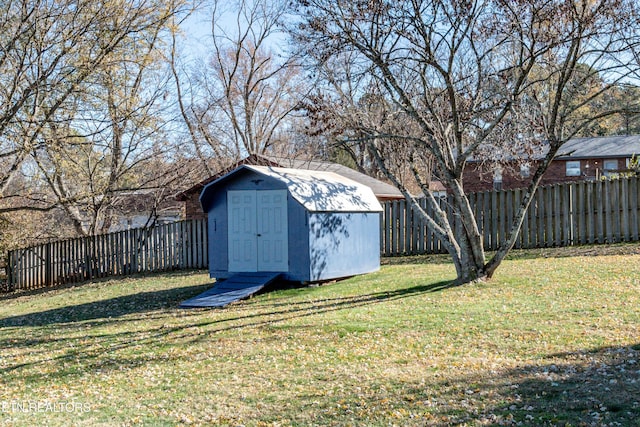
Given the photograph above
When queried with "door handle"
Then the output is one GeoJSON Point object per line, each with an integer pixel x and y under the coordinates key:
{"type": "Point", "coordinates": [259, 235]}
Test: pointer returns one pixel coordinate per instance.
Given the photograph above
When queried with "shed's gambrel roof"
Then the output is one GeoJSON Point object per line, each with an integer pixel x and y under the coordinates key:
{"type": "Point", "coordinates": [382, 190]}
{"type": "Point", "coordinates": [317, 191]}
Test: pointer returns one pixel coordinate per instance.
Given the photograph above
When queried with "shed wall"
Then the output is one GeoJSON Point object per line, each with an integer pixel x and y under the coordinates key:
{"type": "Point", "coordinates": [218, 217]}
{"type": "Point", "coordinates": [298, 243]}
{"type": "Point", "coordinates": [218, 229]}
{"type": "Point", "coordinates": [343, 244]}
{"type": "Point", "coordinates": [322, 245]}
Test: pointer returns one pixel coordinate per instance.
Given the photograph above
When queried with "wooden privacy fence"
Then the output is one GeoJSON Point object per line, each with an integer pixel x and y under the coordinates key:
{"type": "Point", "coordinates": [181, 245]}
{"type": "Point", "coordinates": [560, 215]}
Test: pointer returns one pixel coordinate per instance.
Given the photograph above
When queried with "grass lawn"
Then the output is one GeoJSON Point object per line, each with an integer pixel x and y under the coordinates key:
{"type": "Point", "coordinates": [552, 340]}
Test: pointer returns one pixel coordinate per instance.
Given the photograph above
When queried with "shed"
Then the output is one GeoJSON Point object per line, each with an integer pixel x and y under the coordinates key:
{"type": "Point", "coordinates": [307, 225]}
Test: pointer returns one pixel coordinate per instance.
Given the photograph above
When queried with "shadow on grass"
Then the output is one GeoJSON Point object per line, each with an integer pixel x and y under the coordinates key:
{"type": "Point", "coordinates": [361, 298]}
{"type": "Point", "coordinates": [583, 388]}
{"type": "Point", "coordinates": [112, 308]}
{"type": "Point", "coordinates": [599, 387]}
{"type": "Point", "coordinates": [595, 387]}
{"type": "Point", "coordinates": [416, 259]}
{"type": "Point", "coordinates": [150, 341]}
{"type": "Point", "coordinates": [576, 251]}
{"type": "Point", "coordinates": [525, 254]}
{"type": "Point", "coordinates": [6, 296]}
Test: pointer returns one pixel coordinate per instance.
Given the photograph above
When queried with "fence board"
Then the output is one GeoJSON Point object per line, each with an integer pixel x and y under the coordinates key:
{"type": "Point", "coordinates": [557, 225]}
{"type": "Point", "coordinates": [429, 234]}
{"type": "Point", "coordinates": [493, 231]}
{"type": "Point", "coordinates": [524, 230]}
{"type": "Point", "coordinates": [509, 215]}
{"type": "Point", "coordinates": [486, 219]}
{"type": "Point", "coordinates": [615, 211]}
{"type": "Point", "coordinates": [421, 229]}
{"type": "Point", "coordinates": [166, 247]}
{"type": "Point", "coordinates": [633, 201]}
{"type": "Point", "coordinates": [625, 231]}
{"type": "Point", "coordinates": [567, 226]}
{"type": "Point", "coordinates": [202, 247]}
{"type": "Point", "coordinates": [559, 215]}
{"type": "Point", "coordinates": [578, 210]}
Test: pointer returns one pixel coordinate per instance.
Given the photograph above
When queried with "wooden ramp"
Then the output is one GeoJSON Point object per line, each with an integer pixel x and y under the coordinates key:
{"type": "Point", "coordinates": [235, 288]}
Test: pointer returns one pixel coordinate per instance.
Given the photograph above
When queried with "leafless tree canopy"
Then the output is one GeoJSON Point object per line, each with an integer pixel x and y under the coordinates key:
{"type": "Point", "coordinates": [79, 91]}
{"type": "Point", "coordinates": [240, 100]}
{"type": "Point", "coordinates": [445, 82]}
{"type": "Point", "coordinates": [413, 90]}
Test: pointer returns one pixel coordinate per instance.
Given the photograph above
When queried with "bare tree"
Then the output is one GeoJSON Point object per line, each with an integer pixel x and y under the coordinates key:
{"type": "Point", "coordinates": [115, 129]}
{"type": "Point", "coordinates": [240, 100]}
{"type": "Point", "coordinates": [80, 91]}
{"type": "Point", "coordinates": [344, 122]}
{"type": "Point", "coordinates": [474, 78]}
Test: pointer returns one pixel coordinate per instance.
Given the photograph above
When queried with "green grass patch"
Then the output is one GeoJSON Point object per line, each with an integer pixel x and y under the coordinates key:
{"type": "Point", "coordinates": [552, 340]}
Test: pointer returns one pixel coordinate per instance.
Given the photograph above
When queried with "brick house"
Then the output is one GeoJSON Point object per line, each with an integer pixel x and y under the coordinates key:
{"type": "Point", "coordinates": [191, 196]}
{"type": "Point", "coordinates": [578, 159]}
{"type": "Point", "coordinates": [142, 208]}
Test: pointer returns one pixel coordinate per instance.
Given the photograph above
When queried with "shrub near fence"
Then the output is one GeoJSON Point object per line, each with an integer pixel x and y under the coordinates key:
{"type": "Point", "coordinates": [560, 215]}
{"type": "Point", "coordinates": [180, 245]}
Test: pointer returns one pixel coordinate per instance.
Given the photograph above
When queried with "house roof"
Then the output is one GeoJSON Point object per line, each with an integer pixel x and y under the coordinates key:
{"type": "Point", "coordinates": [382, 190]}
{"type": "Point", "coordinates": [597, 147]}
{"type": "Point", "coordinates": [144, 200]}
{"type": "Point", "coordinates": [600, 147]}
{"type": "Point", "coordinates": [317, 191]}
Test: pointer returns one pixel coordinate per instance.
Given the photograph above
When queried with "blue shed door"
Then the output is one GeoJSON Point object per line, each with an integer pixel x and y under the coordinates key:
{"type": "Point", "coordinates": [258, 230]}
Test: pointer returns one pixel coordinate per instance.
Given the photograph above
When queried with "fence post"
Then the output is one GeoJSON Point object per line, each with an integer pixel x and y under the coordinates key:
{"type": "Point", "coordinates": [633, 185]}
{"type": "Point", "coordinates": [48, 276]}
{"type": "Point", "coordinates": [562, 214]}
{"type": "Point", "coordinates": [10, 286]}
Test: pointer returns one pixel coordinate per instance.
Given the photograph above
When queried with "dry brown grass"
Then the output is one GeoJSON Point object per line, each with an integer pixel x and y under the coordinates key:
{"type": "Point", "coordinates": [549, 341]}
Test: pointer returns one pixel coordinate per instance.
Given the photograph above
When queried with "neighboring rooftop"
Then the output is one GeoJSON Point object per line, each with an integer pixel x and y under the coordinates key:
{"type": "Point", "coordinates": [574, 149]}
{"type": "Point", "coordinates": [600, 147]}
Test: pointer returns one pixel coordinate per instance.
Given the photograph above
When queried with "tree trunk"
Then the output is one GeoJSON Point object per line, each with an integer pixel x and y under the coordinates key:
{"type": "Point", "coordinates": [469, 261]}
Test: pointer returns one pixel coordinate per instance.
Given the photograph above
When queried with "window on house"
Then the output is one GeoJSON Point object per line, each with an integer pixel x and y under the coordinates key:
{"type": "Point", "coordinates": [610, 167]}
{"type": "Point", "coordinates": [525, 170]}
{"type": "Point", "coordinates": [497, 178]}
{"type": "Point", "coordinates": [573, 168]}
